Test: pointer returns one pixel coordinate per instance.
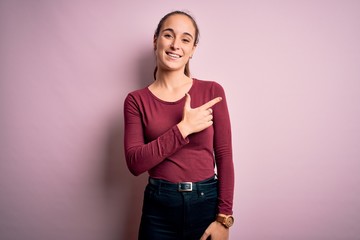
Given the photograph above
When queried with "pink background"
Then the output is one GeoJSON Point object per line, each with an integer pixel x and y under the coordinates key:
{"type": "Point", "coordinates": [291, 71]}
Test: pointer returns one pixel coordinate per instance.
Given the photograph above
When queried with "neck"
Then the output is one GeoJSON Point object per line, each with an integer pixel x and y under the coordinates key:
{"type": "Point", "coordinates": [171, 79]}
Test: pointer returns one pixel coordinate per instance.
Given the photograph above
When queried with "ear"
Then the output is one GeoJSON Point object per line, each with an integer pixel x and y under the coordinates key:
{"type": "Point", "coordinates": [193, 51]}
{"type": "Point", "coordinates": [155, 42]}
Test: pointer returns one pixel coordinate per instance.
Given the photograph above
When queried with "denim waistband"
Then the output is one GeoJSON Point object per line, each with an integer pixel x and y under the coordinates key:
{"type": "Point", "coordinates": [184, 186]}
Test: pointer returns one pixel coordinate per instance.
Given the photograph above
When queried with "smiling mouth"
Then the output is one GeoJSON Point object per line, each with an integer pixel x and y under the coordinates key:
{"type": "Point", "coordinates": [173, 55]}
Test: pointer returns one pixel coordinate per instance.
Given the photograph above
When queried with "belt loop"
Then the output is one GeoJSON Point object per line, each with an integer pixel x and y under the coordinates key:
{"type": "Point", "coordinates": [198, 189]}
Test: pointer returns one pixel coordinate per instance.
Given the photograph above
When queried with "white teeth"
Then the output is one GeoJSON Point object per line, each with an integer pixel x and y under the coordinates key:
{"type": "Point", "coordinates": [173, 55]}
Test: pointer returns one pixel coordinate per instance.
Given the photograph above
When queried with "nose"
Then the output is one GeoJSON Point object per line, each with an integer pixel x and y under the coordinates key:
{"type": "Point", "coordinates": [175, 44]}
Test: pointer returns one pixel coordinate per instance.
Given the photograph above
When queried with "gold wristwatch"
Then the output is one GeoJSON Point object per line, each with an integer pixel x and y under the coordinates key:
{"type": "Point", "coordinates": [226, 220]}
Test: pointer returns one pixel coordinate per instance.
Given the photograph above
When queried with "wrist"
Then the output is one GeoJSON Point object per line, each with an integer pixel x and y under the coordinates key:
{"type": "Point", "coordinates": [226, 220]}
{"type": "Point", "coordinates": [183, 129]}
{"type": "Point", "coordinates": [222, 215]}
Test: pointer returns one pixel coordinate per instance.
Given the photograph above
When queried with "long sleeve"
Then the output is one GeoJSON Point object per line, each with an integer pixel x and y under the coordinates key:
{"type": "Point", "coordinates": [223, 152]}
{"type": "Point", "coordinates": [141, 156]}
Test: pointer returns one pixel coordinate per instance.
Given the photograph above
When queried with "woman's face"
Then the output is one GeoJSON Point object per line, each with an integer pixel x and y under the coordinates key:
{"type": "Point", "coordinates": [175, 43]}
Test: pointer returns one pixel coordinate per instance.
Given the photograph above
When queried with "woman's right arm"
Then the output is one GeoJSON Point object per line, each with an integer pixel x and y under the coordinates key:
{"type": "Point", "coordinates": [141, 156]}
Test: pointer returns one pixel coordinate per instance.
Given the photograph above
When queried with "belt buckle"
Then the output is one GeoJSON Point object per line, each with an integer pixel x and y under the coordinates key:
{"type": "Point", "coordinates": [185, 187]}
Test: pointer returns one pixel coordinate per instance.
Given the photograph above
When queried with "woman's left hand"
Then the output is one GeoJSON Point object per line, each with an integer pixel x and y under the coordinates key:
{"type": "Point", "coordinates": [216, 231]}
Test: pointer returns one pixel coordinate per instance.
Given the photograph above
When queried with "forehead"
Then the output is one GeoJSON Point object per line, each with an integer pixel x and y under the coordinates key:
{"type": "Point", "coordinates": [179, 23]}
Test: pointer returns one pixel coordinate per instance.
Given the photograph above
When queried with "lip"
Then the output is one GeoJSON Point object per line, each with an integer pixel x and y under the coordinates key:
{"type": "Point", "coordinates": [173, 55]}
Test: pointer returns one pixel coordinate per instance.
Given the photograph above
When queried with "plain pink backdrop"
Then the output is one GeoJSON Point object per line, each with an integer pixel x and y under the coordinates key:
{"type": "Point", "coordinates": [291, 71]}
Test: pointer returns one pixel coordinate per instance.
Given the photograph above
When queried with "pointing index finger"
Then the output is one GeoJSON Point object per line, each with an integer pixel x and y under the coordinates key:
{"type": "Point", "coordinates": [211, 103]}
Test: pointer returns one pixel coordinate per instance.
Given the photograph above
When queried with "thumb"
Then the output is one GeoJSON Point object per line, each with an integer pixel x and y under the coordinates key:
{"type": "Point", "coordinates": [188, 101]}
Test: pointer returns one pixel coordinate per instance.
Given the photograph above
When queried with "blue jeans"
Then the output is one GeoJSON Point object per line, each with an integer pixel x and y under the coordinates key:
{"type": "Point", "coordinates": [170, 214]}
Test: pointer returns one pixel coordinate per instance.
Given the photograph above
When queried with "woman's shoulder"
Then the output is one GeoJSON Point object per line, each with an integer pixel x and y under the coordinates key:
{"type": "Point", "coordinates": [137, 96]}
{"type": "Point", "coordinates": [204, 84]}
{"type": "Point", "coordinates": [138, 92]}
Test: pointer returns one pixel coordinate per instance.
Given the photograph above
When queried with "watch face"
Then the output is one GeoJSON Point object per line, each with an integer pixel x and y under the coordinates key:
{"type": "Point", "coordinates": [229, 221]}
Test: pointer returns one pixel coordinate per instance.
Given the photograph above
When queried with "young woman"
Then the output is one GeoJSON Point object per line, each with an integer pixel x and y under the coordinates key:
{"type": "Point", "coordinates": [178, 130]}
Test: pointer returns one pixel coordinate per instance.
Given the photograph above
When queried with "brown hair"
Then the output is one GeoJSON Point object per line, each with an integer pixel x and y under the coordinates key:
{"type": "Point", "coordinates": [197, 34]}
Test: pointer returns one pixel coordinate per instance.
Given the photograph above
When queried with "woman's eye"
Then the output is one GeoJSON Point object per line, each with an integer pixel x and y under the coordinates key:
{"type": "Point", "coordinates": [186, 40]}
{"type": "Point", "coordinates": [168, 35]}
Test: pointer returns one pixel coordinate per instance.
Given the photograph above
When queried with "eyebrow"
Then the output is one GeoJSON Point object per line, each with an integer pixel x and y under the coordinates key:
{"type": "Point", "coordinates": [172, 30]}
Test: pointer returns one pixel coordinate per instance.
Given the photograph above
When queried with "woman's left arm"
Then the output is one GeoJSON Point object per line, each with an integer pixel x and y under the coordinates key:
{"type": "Point", "coordinates": [224, 163]}
{"type": "Point", "coordinates": [223, 152]}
